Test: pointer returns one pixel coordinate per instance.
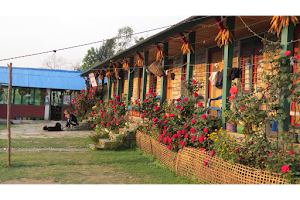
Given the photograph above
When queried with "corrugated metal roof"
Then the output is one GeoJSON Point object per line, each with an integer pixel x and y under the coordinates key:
{"type": "Point", "coordinates": [43, 78]}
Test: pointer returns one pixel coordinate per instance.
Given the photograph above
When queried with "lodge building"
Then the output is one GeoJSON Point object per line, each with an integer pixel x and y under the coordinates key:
{"type": "Point", "coordinates": [206, 58]}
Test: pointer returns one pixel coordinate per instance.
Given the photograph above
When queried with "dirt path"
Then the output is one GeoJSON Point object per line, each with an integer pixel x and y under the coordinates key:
{"type": "Point", "coordinates": [30, 181]}
{"type": "Point", "coordinates": [34, 130]}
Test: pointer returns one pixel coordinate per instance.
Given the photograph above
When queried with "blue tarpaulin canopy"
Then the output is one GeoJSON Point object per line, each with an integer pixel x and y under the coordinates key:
{"type": "Point", "coordinates": [44, 78]}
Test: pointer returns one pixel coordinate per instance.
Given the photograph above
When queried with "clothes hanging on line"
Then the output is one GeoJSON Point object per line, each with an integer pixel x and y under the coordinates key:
{"type": "Point", "coordinates": [219, 82]}
{"type": "Point", "coordinates": [233, 73]}
{"type": "Point", "coordinates": [213, 78]}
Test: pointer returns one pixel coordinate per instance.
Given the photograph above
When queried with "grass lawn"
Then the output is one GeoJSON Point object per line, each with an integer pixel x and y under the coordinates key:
{"type": "Point", "coordinates": [85, 167]}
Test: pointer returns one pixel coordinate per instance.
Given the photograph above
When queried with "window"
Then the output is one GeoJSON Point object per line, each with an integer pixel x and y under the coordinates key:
{"type": "Point", "coordinates": [250, 61]}
{"type": "Point", "coordinates": [28, 97]}
{"type": "Point", "coordinates": [3, 95]}
{"type": "Point", "coordinates": [17, 96]}
{"type": "Point", "coordinates": [39, 97]}
{"type": "Point", "coordinates": [24, 96]}
{"type": "Point", "coordinates": [153, 82]}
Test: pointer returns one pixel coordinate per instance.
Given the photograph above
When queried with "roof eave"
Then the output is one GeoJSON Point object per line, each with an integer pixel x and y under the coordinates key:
{"type": "Point", "coordinates": [180, 27]}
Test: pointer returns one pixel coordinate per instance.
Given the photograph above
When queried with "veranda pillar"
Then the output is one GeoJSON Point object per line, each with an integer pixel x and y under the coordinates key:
{"type": "Point", "coordinates": [191, 57]}
{"type": "Point", "coordinates": [130, 80]}
{"type": "Point", "coordinates": [108, 89]}
{"type": "Point", "coordinates": [287, 34]}
{"type": "Point", "coordinates": [144, 79]}
{"type": "Point", "coordinates": [228, 56]}
{"type": "Point", "coordinates": [163, 93]}
{"type": "Point", "coordinates": [119, 83]}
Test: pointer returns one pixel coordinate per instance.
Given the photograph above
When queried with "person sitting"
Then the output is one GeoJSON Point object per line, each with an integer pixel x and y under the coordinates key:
{"type": "Point", "coordinates": [71, 119]}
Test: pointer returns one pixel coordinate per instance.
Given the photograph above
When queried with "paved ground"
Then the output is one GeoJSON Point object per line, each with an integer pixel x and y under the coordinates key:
{"type": "Point", "coordinates": [33, 129]}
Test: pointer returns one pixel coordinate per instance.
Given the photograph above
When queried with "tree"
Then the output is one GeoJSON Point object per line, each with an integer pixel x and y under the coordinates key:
{"type": "Point", "coordinates": [95, 56]}
{"type": "Point", "coordinates": [54, 62]}
{"type": "Point", "coordinates": [124, 38]}
{"type": "Point", "coordinates": [138, 40]}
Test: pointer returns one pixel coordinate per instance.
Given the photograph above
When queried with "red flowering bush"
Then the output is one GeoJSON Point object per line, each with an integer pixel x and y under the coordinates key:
{"type": "Point", "coordinates": [111, 114]}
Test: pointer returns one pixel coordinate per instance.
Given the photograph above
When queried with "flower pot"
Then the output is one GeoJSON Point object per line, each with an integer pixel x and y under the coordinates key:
{"type": "Point", "coordinates": [231, 127]}
{"type": "Point", "coordinates": [240, 128]}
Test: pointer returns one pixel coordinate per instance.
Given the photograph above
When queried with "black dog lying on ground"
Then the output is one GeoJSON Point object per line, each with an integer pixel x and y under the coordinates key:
{"type": "Point", "coordinates": [57, 127]}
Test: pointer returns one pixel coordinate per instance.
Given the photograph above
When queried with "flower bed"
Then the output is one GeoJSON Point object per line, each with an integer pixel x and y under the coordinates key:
{"type": "Point", "coordinates": [190, 162]}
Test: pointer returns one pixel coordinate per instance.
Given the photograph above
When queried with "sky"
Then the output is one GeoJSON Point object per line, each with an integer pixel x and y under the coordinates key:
{"type": "Point", "coordinates": [34, 34]}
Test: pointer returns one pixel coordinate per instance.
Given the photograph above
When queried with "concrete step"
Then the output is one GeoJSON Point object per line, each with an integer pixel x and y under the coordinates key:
{"type": "Point", "coordinates": [87, 121]}
{"type": "Point", "coordinates": [103, 142]}
{"type": "Point", "coordinates": [125, 131]}
{"type": "Point", "coordinates": [113, 137]}
{"type": "Point", "coordinates": [84, 124]}
{"type": "Point", "coordinates": [95, 146]}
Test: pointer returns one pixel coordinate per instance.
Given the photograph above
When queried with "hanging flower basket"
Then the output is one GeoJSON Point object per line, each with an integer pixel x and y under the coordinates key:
{"type": "Point", "coordinates": [156, 68]}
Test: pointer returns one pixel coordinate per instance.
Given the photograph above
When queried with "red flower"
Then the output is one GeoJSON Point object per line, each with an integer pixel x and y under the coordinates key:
{"type": "Point", "coordinates": [131, 108]}
{"type": "Point", "coordinates": [212, 153]}
{"type": "Point", "coordinates": [287, 53]}
{"type": "Point", "coordinates": [231, 98]}
{"type": "Point", "coordinates": [165, 116]}
{"type": "Point", "coordinates": [170, 140]}
{"type": "Point", "coordinates": [203, 116]}
{"type": "Point", "coordinates": [297, 56]}
{"type": "Point", "coordinates": [186, 135]}
{"type": "Point", "coordinates": [150, 91]}
{"type": "Point", "coordinates": [200, 104]}
{"type": "Point", "coordinates": [202, 149]}
{"type": "Point", "coordinates": [233, 90]}
{"type": "Point", "coordinates": [193, 138]}
{"type": "Point", "coordinates": [169, 147]}
{"type": "Point", "coordinates": [117, 98]}
{"type": "Point", "coordinates": [212, 116]}
{"type": "Point", "coordinates": [192, 130]}
{"type": "Point", "coordinates": [205, 130]}
{"type": "Point", "coordinates": [270, 153]}
{"type": "Point", "coordinates": [178, 132]}
{"type": "Point", "coordinates": [183, 132]}
{"type": "Point", "coordinates": [194, 82]}
{"type": "Point", "coordinates": [239, 158]}
{"type": "Point", "coordinates": [182, 143]}
{"type": "Point", "coordinates": [204, 163]}
{"type": "Point", "coordinates": [155, 120]}
{"type": "Point", "coordinates": [93, 125]}
{"type": "Point", "coordinates": [185, 99]}
{"type": "Point", "coordinates": [195, 94]}
{"type": "Point", "coordinates": [251, 142]}
{"type": "Point", "coordinates": [193, 121]}
{"type": "Point", "coordinates": [291, 152]}
{"type": "Point", "coordinates": [285, 168]}
{"type": "Point", "coordinates": [181, 108]}
{"type": "Point", "coordinates": [175, 136]}
{"type": "Point", "coordinates": [172, 115]}
{"type": "Point", "coordinates": [201, 138]}
{"type": "Point", "coordinates": [166, 121]}
{"type": "Point", "coordinates": [177, 106]}
{"type": "Point", "coordinates": [165, 140]}
{"type": "Point", "coordinates": [156, 108]}
{"type": "Point", "coordinates": [90, 115]}
{"type": "Point", "coordinates": [185, 125]}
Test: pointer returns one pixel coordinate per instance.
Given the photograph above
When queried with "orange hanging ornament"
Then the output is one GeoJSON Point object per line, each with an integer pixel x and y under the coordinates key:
{"type": "Point", "coordinates": [125, 65]}
{"type": "Point", "coordinates": [279, 22]}
{"type": "Point", "coordinates": [224, 36]}
{"type": "Point", "coordinates": [186, 47]}
{"type": "Point", "coordinates": [160, 54]}
{"type": "Point", "coordinates": [140, 62]}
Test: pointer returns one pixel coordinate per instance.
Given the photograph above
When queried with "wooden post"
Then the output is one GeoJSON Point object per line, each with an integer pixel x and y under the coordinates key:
{"type": "Point", "coordinates": [287, 34]}
{"type": "Point", "coordinates": [228, 56]}
{"type": "Point", "coordinates": [8, 112]}
{"type": "Point", "coordinates": [163, 93]}
{"type": "Point", "coordinates": [119, 83]}
{"type": "Point", "coordinates": [190, 57]}
{"type": "Point", "coordinates": [130, 80]}
{"type": "Point", "coordinates": [144, 80]}
{"type": "Point", "coordinates": [108, 88]}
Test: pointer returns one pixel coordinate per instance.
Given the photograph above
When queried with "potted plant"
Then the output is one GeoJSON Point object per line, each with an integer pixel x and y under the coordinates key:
{"type": "Point", "coordinates": [24, 118]}
{"type": "Point", "coordinates": [41, 118]}
{"type": "Point", "coordinates": [232, 119]}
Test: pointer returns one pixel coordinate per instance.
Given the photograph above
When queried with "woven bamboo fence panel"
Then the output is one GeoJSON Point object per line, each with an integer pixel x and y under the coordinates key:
{"type": "Point", "coordinates": [189, 162]}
